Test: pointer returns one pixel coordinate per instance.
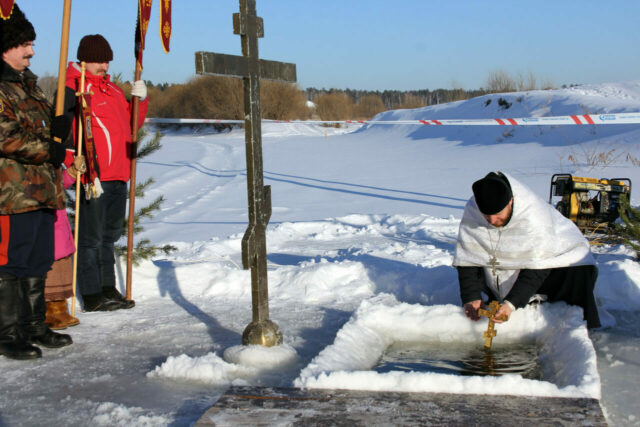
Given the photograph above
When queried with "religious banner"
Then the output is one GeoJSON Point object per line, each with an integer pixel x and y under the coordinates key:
{"type": "Point", "coordinates": [165, 24]}
{"type": "Point", "coordinates": [144, 12]}
{"type": "Point", "coordinates": [6, 7]}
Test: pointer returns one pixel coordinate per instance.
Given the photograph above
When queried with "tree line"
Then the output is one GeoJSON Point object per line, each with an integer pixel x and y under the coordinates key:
{"type": "Point", "coordinates": [222, 97]}
{"type": "Point", "coordinates": [215, 97]}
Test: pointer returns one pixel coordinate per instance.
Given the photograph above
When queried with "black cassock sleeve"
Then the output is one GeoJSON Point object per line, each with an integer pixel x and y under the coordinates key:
{"type": "Point", "coordinates": [526, 285]}
{"type": "Point", "coordinates": [471, 281]}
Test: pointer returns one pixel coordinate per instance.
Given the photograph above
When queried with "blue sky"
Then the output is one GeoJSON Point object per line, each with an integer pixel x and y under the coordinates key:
{"type": "Point", "coordinates": [373, 44]}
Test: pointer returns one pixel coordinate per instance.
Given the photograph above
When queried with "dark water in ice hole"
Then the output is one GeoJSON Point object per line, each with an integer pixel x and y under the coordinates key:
{"type": "Point", "coordinates": [461, 359]}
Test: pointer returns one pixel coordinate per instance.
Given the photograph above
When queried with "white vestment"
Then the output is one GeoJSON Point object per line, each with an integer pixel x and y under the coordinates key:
{"type": "Point", "coordinates": [536, 237]}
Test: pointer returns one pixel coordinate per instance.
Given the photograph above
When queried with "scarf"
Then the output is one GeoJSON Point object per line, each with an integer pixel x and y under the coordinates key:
{"type": "Point", "coordinates": [90, 179]}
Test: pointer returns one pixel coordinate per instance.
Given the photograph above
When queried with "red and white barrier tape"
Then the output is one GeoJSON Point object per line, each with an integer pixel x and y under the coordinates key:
{"type": "Point", "coordinates": [584, 119]}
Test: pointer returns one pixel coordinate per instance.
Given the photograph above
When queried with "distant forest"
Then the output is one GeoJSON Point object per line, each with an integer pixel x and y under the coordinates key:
{"type": "Point", "coordinates": [221, 97]}
{"type": "Point", "coordinates": [394, 98]}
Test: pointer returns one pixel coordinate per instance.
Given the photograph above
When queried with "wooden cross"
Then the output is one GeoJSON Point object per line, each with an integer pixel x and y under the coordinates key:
{"type": "Point", "coordinates": [490, 332]}
{"type": "Point", "coordinates": [254, 245]}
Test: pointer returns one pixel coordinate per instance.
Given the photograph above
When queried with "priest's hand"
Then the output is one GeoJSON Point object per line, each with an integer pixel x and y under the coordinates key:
{"type": "Point", "coordinates": [503, 313]}
{"type": "Point", "coordinates": [471, 309]}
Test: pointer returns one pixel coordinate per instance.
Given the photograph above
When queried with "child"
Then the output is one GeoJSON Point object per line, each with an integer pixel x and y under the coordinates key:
{"type": "Point", "coordinates": [58, 286]}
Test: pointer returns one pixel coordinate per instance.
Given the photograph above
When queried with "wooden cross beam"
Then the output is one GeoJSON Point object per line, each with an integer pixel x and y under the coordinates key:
{"type": "Point", "coordinates": [221, 64]}
{"type": "Point", "coordinates": [250, 27]}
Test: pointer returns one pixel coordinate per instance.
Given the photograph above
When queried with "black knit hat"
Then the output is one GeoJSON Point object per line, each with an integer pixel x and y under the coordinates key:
{"type": "Point", "coordinates": [94, 48]}
{"type": "Point", "coordinates": [16, 30]}
{"type": "Point", "coordinates": [492, 193]}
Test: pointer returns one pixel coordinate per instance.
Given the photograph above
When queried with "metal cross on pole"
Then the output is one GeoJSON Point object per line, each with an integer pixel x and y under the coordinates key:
{"type": "Point", "coordinates": [254, 244]}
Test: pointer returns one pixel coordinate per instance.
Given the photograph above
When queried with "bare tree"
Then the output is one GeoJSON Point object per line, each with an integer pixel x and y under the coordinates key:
{"type": "Point", "coordinates": [282, 101]}
{"type": "Point", "coordinates": [410, 101]}
{"type": "Point", "coordinates": [500, 81]}
{"type": "Point", "coordinates": [528, 82]}
{"type": "Point", "coordinates": [203, 97]}
{"type": "Point", "coordinates": [334, 106]}
{"type": "Point", "coordinates": [546, 84]}
{"type": "Point", "coordinates": [368, 106]}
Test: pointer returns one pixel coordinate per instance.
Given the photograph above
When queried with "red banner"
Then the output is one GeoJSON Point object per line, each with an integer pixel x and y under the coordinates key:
{"type": "Point", "coordinates": [6, 7]}
{"type": "Point", "coordinates": [165, 24]}
{"type": "Point", "coordinates": [144, 12]}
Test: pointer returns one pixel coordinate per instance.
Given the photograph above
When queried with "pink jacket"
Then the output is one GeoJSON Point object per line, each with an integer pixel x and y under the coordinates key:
{"type": "Point", "coordinates": [63, 236]}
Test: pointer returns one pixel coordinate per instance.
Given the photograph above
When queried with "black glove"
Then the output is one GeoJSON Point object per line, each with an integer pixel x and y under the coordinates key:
{"type": "Point", "coordinates": [57, 153]}
{"type": "Point", "coordinates": [60, 127]}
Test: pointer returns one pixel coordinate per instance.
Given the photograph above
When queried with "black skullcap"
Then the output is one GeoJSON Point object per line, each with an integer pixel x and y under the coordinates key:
{"type": "Point", "coordinates": [492, 193]}
{"type": "Point", "coordinates": [16, 30]}
{"type": "Point", "coordinates": [94, 48]}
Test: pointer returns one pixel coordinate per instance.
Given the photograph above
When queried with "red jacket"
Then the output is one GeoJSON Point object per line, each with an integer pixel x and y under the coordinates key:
{"type": "Point", "coordinates": [111, 122]}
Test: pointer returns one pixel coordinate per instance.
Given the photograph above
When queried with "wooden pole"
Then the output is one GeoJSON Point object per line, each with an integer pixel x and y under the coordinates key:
{"type": "Point", "coordinates": [74, 280]}
{"type": "Point", "coordinates": [64, 49]}
{"type": "Point", "coordinates": [132, 187]}
{"type": "Point", "coordinates": [62, 77]}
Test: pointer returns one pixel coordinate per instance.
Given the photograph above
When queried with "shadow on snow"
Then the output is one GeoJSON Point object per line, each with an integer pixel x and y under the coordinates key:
{"type": "Point", "coordinates": [168, 284]}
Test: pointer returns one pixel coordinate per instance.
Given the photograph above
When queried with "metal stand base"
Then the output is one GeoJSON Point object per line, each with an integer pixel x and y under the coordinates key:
{"type": "Point", "coordinates": [265, 333]}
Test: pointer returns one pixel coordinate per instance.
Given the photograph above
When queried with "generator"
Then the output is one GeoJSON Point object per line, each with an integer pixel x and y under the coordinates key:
{"type": "Point", "coordinates": [591, 203]}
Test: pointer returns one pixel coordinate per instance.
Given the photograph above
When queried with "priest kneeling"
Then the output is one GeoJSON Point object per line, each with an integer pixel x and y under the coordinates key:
{"type": "Point", "coordinates": [517, 249]}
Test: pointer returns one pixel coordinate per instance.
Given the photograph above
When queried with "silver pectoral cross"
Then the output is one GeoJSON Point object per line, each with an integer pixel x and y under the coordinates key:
{"type": "Point", "coordinates": [494, 263]}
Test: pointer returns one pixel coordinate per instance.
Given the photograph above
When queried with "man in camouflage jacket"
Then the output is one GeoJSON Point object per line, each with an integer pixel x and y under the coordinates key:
{"type": "Point", "coordinates": [30, 192]}
{"type": "Point", "coordinates": [28, 179]}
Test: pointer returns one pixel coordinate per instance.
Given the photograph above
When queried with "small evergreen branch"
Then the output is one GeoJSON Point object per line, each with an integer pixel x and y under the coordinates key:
{"type": "Point", "coordinates": [141, 187]}
{"type": "Point", "coordinates": [144, 212]}
{"type": "Point", "coordinates": [144, 250]}
{"type": "Point", "coordinates": [147, 211]}
{"type": "Point", "coordinates": [629, 230]}
{"type": "Point", "coordinates": [151, 146]}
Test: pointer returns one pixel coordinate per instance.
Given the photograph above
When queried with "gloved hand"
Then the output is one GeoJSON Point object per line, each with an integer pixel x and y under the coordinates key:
{"type": "Point", "coordinates": [56, 153]}
{"type": "Point", "coordinates": [139, 89]}
{"type": "Point", "coordinates": [78, 166]}
{"type": "Point", "coordinates": [60, 127]}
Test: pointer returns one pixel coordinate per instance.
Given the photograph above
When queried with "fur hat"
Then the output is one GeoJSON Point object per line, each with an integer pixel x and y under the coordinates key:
{"type": "Point", "coordinates": [94, 48]}
{"type": "Point", "coordinates": [16, 30]}
{"type": "Point", "coordinates": [492, 193]}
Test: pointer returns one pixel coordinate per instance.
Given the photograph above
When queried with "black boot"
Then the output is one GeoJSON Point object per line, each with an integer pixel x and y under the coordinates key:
{"type": "Point", "coordinates": [34, 314]}
{"type": "Point", "coordinates": [98, 302]}
{"type": "Point", "coordinates": [110, 292]}
{"type": "Point", "coordinates": [12, 343]}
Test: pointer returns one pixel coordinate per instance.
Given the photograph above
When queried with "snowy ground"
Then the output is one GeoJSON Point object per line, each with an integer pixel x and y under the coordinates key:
{"type": "Point", "coordinates": [360, 246]}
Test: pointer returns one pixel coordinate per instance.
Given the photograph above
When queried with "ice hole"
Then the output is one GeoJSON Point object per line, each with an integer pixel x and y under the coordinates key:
{"type": "Point", "coordinates": [395, 346]}
{"type": "Point", "coordinates": [461, 359]}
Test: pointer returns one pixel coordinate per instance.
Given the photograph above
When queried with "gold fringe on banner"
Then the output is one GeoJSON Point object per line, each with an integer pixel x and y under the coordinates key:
{"type": "Point", "coordinates": [165, 24]}
{"type": "Point", "coordinates": [6, 8]}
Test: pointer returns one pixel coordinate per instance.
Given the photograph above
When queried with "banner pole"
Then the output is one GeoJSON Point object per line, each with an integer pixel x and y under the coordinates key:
{"type": "Point", "coordinates": [59, 109]}
{"type": "Point", "coordinates": [77, 216]}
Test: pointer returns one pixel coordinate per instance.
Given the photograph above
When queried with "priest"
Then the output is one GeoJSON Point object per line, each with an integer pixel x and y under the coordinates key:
{"type": "Point", "coordinates": [517, 249]}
